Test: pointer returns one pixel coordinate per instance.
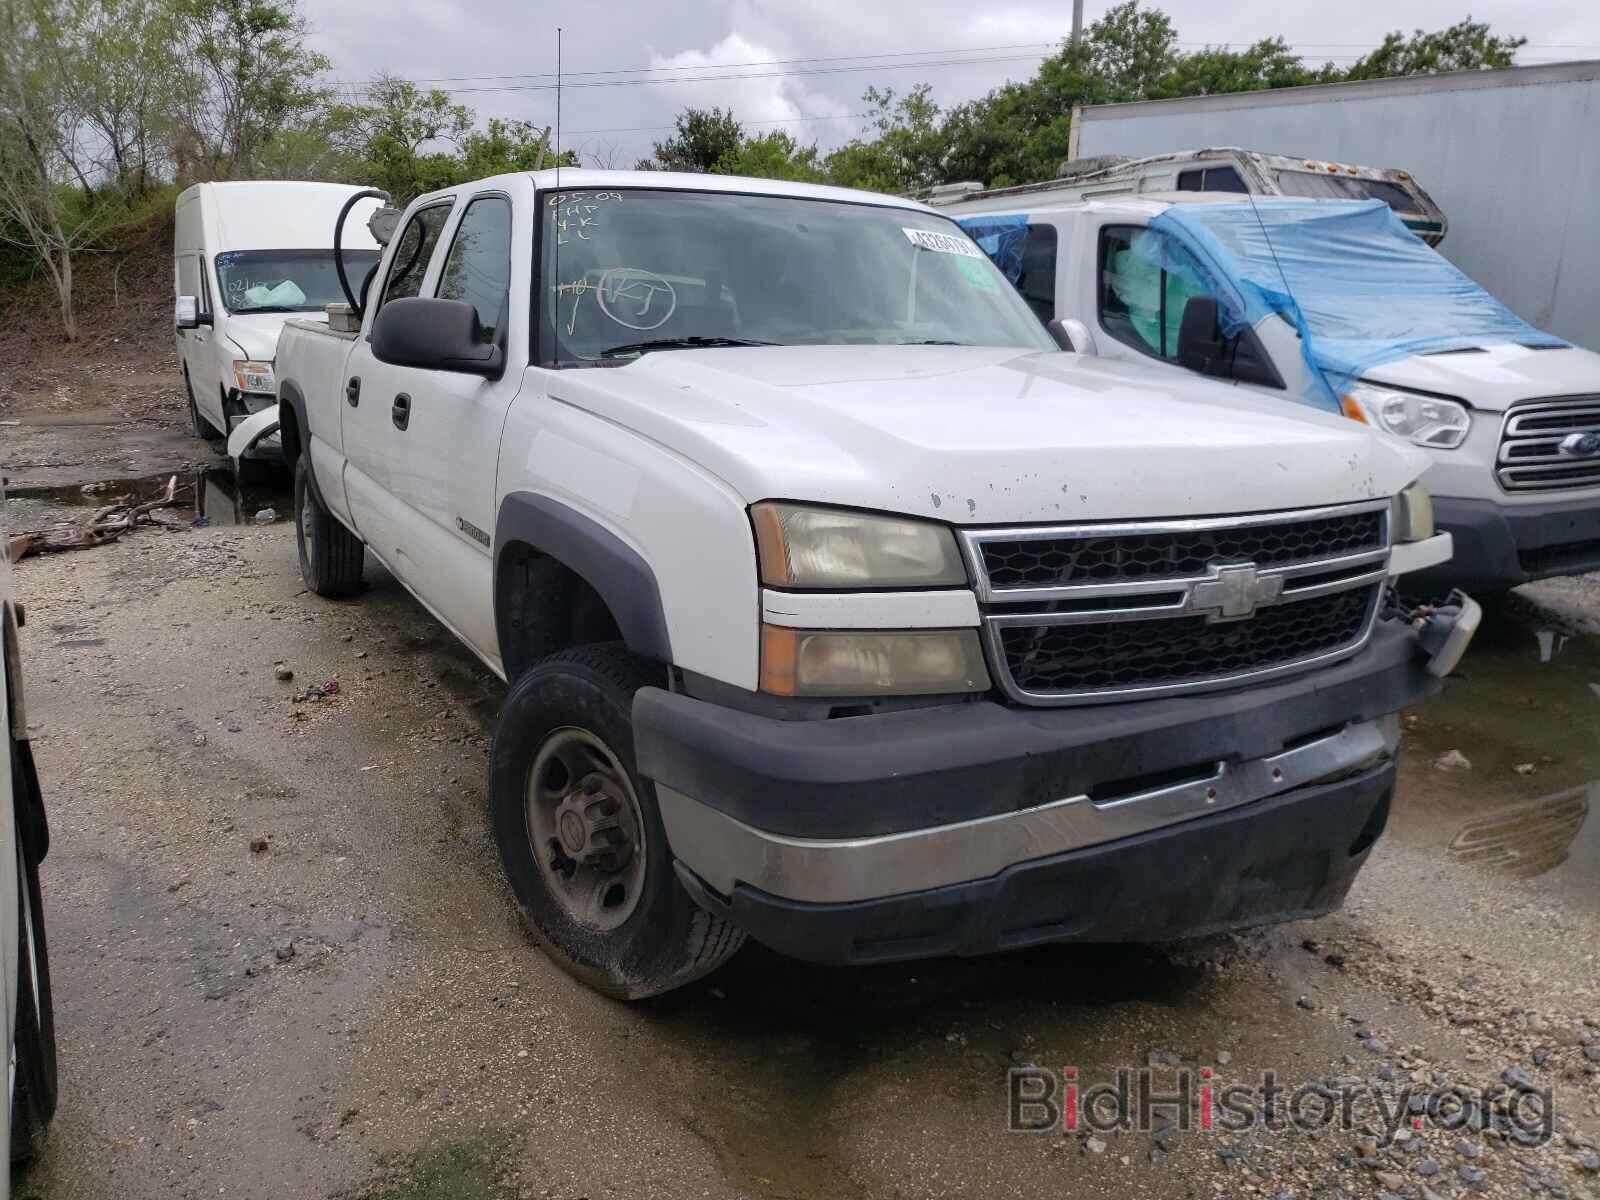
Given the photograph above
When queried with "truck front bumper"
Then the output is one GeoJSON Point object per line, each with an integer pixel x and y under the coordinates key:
{"type": "Point", "coordinates": [968, 828]}
{"type": "Point", "coordinates": [1499, 546]}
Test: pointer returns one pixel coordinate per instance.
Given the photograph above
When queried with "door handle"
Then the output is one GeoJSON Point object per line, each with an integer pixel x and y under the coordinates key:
{"type": "Point", "coordinates": [402, 411]}
{"type": "Point", "coordinates": [352, 391]}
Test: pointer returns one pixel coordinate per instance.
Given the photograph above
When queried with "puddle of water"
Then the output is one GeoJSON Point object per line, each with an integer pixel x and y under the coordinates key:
{"type": "Point", "coordinates": [1529, 839]}
{"type": "Point", "coordinates": [1524, 708]}
{"type": "Point", "coordinates": [214, 493]}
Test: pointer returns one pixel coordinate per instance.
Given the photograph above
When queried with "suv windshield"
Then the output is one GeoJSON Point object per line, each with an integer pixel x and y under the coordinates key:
{"type": "Point", "coordinates": [287, 280]}
{"type": "Point", "coordinates": [627, 268]}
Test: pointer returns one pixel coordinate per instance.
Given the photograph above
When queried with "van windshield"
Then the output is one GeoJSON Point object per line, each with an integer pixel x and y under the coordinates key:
{"type": "Point", "coordinates": [631, 270]}
{"type": "Point", "coordinates": [287, 280]}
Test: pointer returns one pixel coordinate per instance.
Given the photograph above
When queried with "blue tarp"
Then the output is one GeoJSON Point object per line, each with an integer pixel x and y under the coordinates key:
{"type": "Point", "coordinates": [1359, 286]}
{"type": "Point", "coordinates": [1002, 238]}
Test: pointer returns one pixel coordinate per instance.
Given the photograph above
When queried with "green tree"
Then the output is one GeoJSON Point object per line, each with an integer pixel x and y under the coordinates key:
{"type": "Point", "coordinates": [1465, 46]}
{"type": "Point", "coordinates": [1270, 63]}
{"type": "Point", "coordinates": [703, 136]}
{"type": "Point", "coordinates": [125, 82]}
{"type": "Point", "coordinates": [510, 146]}
{"type": "Point", "coordinates": [393, 140]}
{"type": "Point", "coordinates": [908, 151]}
{"type": "Point", "coordinates": [773, 155]}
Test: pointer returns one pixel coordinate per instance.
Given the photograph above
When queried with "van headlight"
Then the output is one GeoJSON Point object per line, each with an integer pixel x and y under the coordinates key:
{"type": "Point", "coordinates": [801, 546]}
{"type": "Point", "coordinates": [254, 376]}
{"type": "Point", "coordinates": [1429, 421]}
{"type": "Point", "coordinates": [1413, 514]}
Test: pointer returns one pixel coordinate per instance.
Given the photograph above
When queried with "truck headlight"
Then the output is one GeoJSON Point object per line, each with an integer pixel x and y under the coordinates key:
{"type": "Point", "coordinates": [1424, 420]}
{"type": "Point", "coordinates": [805, 547]}
{"type": "Point", "coordinates": [1413, 514]}
{"type": "Point", "coordinates": [254, 376]}
{"type": "Point", "coordinates": [909, 662]}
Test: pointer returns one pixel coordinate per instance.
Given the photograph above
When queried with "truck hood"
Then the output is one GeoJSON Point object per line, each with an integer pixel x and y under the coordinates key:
{"type": "Point", "coordinates": [1495, 377]}
{"type": "Point", "coordinates": [255, 335]}
{"type": "Point", "coordinates": [982, 436]}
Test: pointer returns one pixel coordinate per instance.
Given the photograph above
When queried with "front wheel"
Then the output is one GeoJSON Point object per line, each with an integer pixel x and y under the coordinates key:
{"type": "Point", "coordinates": [330, 555]}
{"type": "Point", "coordinates": [33, 1036]}
{"type": "Point", "coordinates": [580, 835]}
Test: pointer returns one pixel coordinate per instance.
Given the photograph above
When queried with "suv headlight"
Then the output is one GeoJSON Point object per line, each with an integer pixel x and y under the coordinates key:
{"type": "Point", "coordinates": [1424, 420]}
{"type": "Point", "coordinates": [892, 662]}
{"type": "Point", "coordinates": [1413, 514]}
{"type": "Point", "coordinates": [805, 547]}
{"type": "Point", "coordinates": [254, 376]}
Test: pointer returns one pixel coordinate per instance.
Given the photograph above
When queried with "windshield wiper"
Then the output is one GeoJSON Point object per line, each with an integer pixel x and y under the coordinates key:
{"type": "Point", "coordinates": [273, 308]}
{"type": "Point", "coordinates": [678, 343]}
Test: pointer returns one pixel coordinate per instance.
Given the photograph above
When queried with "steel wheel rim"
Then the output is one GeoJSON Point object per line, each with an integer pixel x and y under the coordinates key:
{"type": "Point", "coordinates": [585, 829]}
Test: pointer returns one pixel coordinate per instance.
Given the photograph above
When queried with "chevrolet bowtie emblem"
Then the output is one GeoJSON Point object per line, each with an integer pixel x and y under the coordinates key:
{"type": "Point", "coordinates": [1234, 592]}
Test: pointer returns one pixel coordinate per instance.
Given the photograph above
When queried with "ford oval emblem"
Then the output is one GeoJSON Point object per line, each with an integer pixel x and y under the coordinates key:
{"type": "Point", "coordinates": [1581, 445]}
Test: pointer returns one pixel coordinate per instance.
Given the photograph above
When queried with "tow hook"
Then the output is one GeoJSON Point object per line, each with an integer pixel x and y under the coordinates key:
{"type": "Point", "coordinates": [1444, 631]}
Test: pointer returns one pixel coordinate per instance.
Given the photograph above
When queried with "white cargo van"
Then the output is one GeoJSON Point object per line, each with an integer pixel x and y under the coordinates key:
{"type": "Point", "coordinates": [247, 256]}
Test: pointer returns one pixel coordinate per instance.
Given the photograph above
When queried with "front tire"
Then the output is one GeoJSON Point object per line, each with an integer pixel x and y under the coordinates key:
{"type": "Point", "coordinates": [198, 425]}
{"type": "Point", "coordinates": [331, 557]}
{"type": "Point", "coordinates": [580, 835]}
{"type": "Point", "coordinates": [33, 1037]}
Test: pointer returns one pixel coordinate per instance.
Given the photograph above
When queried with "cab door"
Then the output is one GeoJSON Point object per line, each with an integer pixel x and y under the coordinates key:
{"type": "Point", "coordinates": [448, 446]}
{"type": "Point", "coordinates": [371, 390]}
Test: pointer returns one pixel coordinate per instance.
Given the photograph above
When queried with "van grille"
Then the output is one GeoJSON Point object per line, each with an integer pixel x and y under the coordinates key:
{"type": "Point", "coordinates": [1094, 613]}
{"type": "Point", "coordinates": [1537, 451]}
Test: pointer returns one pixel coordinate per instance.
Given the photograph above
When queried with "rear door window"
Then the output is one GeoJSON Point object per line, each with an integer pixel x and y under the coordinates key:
{"type": "Point", "coordinates": [1038, 281]}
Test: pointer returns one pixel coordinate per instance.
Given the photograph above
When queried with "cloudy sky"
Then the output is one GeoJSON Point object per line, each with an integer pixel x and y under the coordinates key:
{"type": "Point", "coordinates": [801, 65]}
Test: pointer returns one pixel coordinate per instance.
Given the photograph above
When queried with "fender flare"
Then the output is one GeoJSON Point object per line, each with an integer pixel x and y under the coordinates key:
{"type": "Point", "coordinates": [599, 557]}
{"type": "Point", "coordinates": [295, 437]}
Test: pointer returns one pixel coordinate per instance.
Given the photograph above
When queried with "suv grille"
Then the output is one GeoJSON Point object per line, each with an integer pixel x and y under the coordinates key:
{"type": "Point", "coordinates": [1536, 452]}
{"type": "Point", "coordinates": [1090, 613]}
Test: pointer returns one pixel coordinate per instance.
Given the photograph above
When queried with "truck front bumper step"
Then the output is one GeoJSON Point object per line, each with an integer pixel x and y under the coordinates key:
{"type": "Point", "coordinates": [725, 852]}
{"type": "Point", "coordinates": [1281, 859]}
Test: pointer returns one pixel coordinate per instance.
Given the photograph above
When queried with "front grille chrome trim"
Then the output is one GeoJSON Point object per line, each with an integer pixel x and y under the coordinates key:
{"type": "Point", "coordinates": [973, 540]}
{"type": "Point", "coordinates": [1296, 582]}
{"type": "Point", "coordinates": [1529, 457]}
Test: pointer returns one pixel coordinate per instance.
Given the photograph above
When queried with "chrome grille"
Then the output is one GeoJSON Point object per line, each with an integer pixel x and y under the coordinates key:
{"type": "Point", "coordinates": [1090, 613]}
{"type": "Point", "coordinates": [1543, 445]}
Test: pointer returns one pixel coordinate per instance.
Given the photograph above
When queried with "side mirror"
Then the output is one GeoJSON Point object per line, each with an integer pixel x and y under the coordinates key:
{"type": "Point", "coordinates": [435, 335]}
{"type": "Point", "coordinates": [1072, 335]}
{"type": "Point", "coordinates": [186, 314]}
{"type": "Point", "coordinates": [1200, 346]}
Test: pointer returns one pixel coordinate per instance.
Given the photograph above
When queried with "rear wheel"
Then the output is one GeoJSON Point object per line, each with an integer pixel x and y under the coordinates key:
{"type": "Point", "coordinates": [580, 835]}
{"type": "Point", "coordinates": [33, 1038]}
{"type": "Point", "coordinates": [331, 556]}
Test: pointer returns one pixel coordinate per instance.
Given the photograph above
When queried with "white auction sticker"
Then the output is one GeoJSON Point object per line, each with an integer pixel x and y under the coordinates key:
{"type": "Point", "coordinates": [944, 243]}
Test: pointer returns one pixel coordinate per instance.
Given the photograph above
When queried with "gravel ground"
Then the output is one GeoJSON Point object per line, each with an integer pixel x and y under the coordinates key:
{"type": "Point", "coordinates": [286, 965]}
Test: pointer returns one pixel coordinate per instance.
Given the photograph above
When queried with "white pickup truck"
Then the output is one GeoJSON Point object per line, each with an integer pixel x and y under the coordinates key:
{"type": "Point", "coordinates": [839, 606]}
{"type": "Point", "coordinates": [1509, 416]}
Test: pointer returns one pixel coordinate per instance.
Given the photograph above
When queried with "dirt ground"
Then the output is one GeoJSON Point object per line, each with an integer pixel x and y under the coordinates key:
{"type": "Point", "coordinates": [286, 965]}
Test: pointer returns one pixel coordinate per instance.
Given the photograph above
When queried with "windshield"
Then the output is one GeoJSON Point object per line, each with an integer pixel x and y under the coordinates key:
{"type": "Point", "coordinates": [287, 280]}
{"type": "Point", "coordinates": [1342, 187]}
{"type": "Point", "coordinates": [627, 268]}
